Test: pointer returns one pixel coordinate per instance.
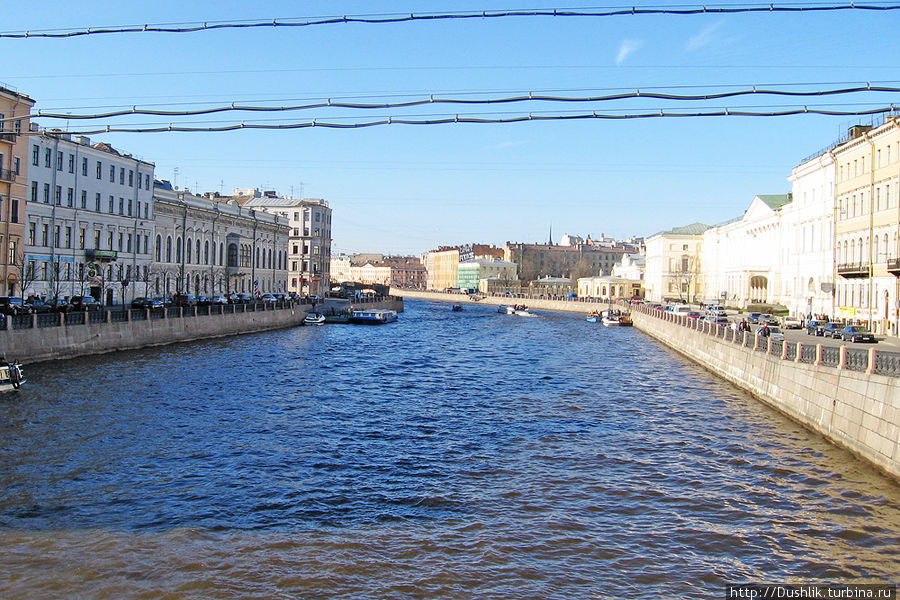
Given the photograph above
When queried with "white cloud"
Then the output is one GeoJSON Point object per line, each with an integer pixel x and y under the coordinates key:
{"type": "Point", "coordinates": [706, 36]}
{"type": "Point", "coordinates": [626, 48]}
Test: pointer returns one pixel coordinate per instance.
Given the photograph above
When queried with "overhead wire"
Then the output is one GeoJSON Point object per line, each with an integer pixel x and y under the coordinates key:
{"type": "Point", "coordinates": [432, 100]}
{"type": "Point", "coordinates": [293, 22]}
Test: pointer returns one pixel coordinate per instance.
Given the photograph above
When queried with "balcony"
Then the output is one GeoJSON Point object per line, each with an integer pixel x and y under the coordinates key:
{"type": "Point", "coordinates": [8, 136]}
{"type": "Point", "coordinates": [893, 266]}
{"type": "Point", "coordinates": [7, 175]}
{"type": "Point", "coordinates": [854, 270]}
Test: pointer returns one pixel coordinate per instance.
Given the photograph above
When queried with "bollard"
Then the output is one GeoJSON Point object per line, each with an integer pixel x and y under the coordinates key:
{"type": "Point", "coordinates": [842, 361]}
{"type": "Point", "coordinates": [870, 369]}
{"type": "Point", "coordinates": [818, 354]}
{"type": "Point", "coordinates": [799, 352]}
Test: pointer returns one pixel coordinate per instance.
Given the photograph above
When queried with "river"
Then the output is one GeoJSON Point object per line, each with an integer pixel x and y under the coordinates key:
{"type": "Point", "coordinates": [448, 455]}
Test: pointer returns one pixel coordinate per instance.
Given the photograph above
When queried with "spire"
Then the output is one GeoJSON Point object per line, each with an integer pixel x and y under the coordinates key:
{"type": "Point", "coordinates": [550, 242]}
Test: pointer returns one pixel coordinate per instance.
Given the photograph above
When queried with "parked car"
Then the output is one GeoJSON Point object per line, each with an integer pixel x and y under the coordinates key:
{"type": "Point", "coordinates": [857, 333]}
{"type": "Point", "coordinates": [693, 315]}
{"type": "Point", "coordinates": [187, 300]}
{"type": "Point", "coordinates": [791, 322]}
{"type": "Point", "coordinates": [268, 298]}
{"type": "Point", "coordinates": [768, 319]}
{"type": "Point", "coordinates": [59, 305]}
{"type": "Point", "coordinates": [832, 330]}
{"type": "Point", "coordinates": [771, 331]}
{"type": "Point", "coordinates": [36, 305]}
{"type": "Point", "coordinates": [85, 303]}
{"type": "Point", "coordinates": [753, 317]}
{"type": "Point", "coordinates": [244, 299]}
{"type": "Point", "coordinates": [142, 302]}
{"type": "Point", "coordinates": [814, 327]}
{"type": "Point", "coordinates": [718, 320]}
{"type": "Point", "coordinates": [220, 299]}
{"type": "Point", "coordinates": [13, 305]}
{"type": "Point", "coordinates": [203, 301]}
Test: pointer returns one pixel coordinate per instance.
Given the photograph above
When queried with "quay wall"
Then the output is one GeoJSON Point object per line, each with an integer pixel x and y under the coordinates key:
{"type": "Point", "coordinates": [71, 340]}
{"type": "Point", "coordinates": [576, 306]}
{"type": "Point", "coordinates": [857, 410]}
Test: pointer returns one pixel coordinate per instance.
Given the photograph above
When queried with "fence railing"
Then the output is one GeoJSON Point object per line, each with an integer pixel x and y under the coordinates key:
{"type": "Point", "coordinates": [123, 314]}
{"type": "Point", "coordinates": [841, 357]}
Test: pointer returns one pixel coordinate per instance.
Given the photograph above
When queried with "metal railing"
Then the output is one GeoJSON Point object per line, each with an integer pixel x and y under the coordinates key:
{"type": "Point", "coordinates": [887, 363]}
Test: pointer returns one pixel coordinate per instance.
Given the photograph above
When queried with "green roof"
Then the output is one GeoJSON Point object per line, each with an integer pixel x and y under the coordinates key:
{"type": "Point", "coordinates": [775, 201]}
{"type": "Point", "coordinates": [692, 229]}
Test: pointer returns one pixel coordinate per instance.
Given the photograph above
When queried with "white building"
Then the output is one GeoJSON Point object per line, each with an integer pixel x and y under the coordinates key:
{"type": "Point", "coordinates": [807, 253]}
{"type": "Point", "coordinates": [89, 218]}
{"type": "Point", "coordinates": [310, 240]}
{"type": "Point", "coordinates": [673, 264]}
{"type": "Point", "coordinates": [203, 246]}
{"type": "Point", "coordinates": [741, 259]}
{"type": "Point", "coordinates": [631, 267]}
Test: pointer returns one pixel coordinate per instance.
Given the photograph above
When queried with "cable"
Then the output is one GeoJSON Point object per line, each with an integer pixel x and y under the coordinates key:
{"type": "Point", "coordinates": [530, 97]}
{"type": "Point", "coordinates": [805, 110]}
{"type": "Point", "coordinates": [193, 27]}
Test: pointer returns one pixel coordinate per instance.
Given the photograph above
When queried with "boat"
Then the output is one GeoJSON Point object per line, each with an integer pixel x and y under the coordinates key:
{"type": "Point", "coordinates": [615, 318]}
{"type": "Point", "coordinates": [518, 309]}
{"type": "Point", "coordinates": [11, 377]}
{"type": "Point", "coordinates": [314, 318]}
{"type": "Point", "coordinates": [457, 308]}
{"type": "Point", "coordinates": [593, 317]}
{"type": "Point", "coordinates": [376, 316]}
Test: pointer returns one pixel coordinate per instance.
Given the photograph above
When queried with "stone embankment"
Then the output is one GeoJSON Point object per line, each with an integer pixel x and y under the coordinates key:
{"type": "Point", "coordinates": [856, 409]}
{"type": "Point", "coordinates": [571, 305]}
{"type": "Point", "coordinates": [56, 336]}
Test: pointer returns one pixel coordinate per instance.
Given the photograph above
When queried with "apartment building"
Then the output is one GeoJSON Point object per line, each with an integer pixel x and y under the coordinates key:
{"type": "Point", "coordinates": [89, 221]}
{"type": "Point", "coordinates": [867, 214]}
{"type": "Point", "coordinates": [210, 245]}
{"type": "Point", "coordinates": [15, 109]}
{"type": "Point", "coordinates": [672, 270]}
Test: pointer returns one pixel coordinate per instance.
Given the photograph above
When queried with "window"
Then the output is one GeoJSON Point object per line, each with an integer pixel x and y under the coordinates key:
{"type": "Point", "coordinates": [121, 206]}
{"type": "Point", "coordinates": [112, 173]}
{"type": "Point", "coordinates": [71, 163]}
{"type": "Point", "coordinates": [56, 236]}
{"type": "Point", "coordinates": [96, 239]}
{"type": "Point", "coordinates": [81, 238]}
{"type": "Point", "coordinates": [68, 236]}
{"type": "Point", "coordinates": [97, 202]}
{"type": "Point", "coordinates": [129, 206]}
{"type": "Point", "coordinates": [158, 248]}
{"type": "Point", "coordinates": [48, 157]}
{"type": "Point", "coordinates": [84, 199]}
{"type": "Point", "coordinates": [17, 165]}
{"type": "Point", "coordinates": [70, 197]}
{"type": "Point", "coordinates": [128, 244]}
{"type": "Point", "coordinates": [58, 195]}
{"type": "Point", "coordinates": [84, 162]}
{"type": "Point", "coordinates": [35, 155]}
{"type": "Point", "coordinates": [168, 249]}
{"type": "Point", "coordinates": [59, 160]}
{"type": "Point", "coordinates": [147, 181]}
{"type": "Point", "coordinates": [109, 240]}
{"type": "Point", "coordinates": [130, 178]}
{"type": "Point", "coordinates": [45, 231]}
{"type": "Point", "coordinates": [32, 233]}
{"type": "Point", "coordinates": [99, 169]}
{"type": "Point", "coordinates": [34, 191]}
{"type": "Point", "coordinates": [112, 203]}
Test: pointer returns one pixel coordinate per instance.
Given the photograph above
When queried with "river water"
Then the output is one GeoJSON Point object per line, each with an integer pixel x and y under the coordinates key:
{"type": "Point", "coordinates": [448, 455]}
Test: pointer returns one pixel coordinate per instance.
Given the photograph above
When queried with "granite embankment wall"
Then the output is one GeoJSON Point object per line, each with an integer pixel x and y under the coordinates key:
{"type": "Point", "coordinates": [576, 306]}
{"type": "Point", "coordinates": [857, 410]}
{"type": "Point", "coordinates": [77, 339]}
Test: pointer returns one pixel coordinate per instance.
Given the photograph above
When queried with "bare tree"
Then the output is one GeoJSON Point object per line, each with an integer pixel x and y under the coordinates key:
{"type": "Point", "coordinates": [25, 270]}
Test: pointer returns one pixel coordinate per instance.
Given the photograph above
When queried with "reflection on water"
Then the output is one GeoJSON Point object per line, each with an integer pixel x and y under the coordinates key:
{"type": "Point", "coordinates": [451, 455]}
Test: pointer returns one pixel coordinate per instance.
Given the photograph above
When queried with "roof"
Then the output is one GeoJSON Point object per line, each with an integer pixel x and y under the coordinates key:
{"type": "Point", "coordinates": [775, 201]}
{"type": "Point", "coordinates": [692, 229]}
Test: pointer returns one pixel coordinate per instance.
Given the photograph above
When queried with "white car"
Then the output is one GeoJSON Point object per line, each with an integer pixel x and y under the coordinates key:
{"type": "Point", "coordinates": [790, 323]}
{"type": "Point", "coordinates": [716, 311]}
{"type": "Point", "coordinates": [773, 332]}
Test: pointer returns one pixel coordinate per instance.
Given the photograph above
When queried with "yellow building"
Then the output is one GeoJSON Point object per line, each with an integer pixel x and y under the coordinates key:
{"type": "Point", "coordinates": [867, 213]}
{"type": "Point", "coordinates": [441, 266]}
{"type": "Point", "coordinates": [15, 109]}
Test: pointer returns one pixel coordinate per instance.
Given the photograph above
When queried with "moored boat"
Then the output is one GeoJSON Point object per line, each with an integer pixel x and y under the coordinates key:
{"type": "Point", "coordinates": [615, 318]}
{"type": "Point", "coordinates": [376, 316]}
{"type": "Point", "coordinates": [457, 308]}
{"type": "Point", "coordinates": [11, 377]}
{"type": "Point", "coordinates": [593, 317]}
{"type": "Point", "coordinates": [314, 318]}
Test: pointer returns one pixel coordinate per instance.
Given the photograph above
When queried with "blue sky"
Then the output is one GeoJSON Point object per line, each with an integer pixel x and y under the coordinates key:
{"type": "Point", "coordinates": [406, 189]}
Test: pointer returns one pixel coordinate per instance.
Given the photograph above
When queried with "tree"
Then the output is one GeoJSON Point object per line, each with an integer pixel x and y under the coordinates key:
{"type": "Point", "coordinates": [25, 271]}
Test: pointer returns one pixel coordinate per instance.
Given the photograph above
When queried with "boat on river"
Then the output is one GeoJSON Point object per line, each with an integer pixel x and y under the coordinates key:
{"type": "Point", "coordinates": [378, 316]}
{"type": "Point", "coordinates": [314, 318]}
{"type": "Point", "coordinates": [593, 317]}
{"type": "Point", "coordinates": [615, 318]}
{"type": "Point", "coordinates": [457, 308]}
{"type": "Point", "coordinates": [11, 377]}
{"type": "Point", "coordinates": [518, 309]}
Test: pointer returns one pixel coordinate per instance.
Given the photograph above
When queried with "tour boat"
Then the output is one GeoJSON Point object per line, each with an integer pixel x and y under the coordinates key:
{"type": "Point", "coordinates": [457, 308]}
{"type": "Point", "coordinates": [376, 316]}
{"type": "Point", "coordinates": [614, 318]}
{"type": "Point", "coordinates": [314, 318]}
{"type": "Point", "coordinates": [11, 377]}
{"type": "Point", "coordinates": [518, 309]}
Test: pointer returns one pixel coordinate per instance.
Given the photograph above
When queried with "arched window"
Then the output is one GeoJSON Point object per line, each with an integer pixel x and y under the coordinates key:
{"type": "Point", "coordinates": [221, 253]}
{"type": "Point", "coordinates": [168, 256]}
{"type": "Point", "coordinates": [190, 246]}
{"type": "Point", "coordinates": [232, 255]}
{"type": "Point", "coordinates": [197, 254]}
{"type": "Point", "coordinates": [159, 248]}
{"type": "Point", "coordinates": [205, 252]}
{"type": "Point", "coordinates": [178, 250]}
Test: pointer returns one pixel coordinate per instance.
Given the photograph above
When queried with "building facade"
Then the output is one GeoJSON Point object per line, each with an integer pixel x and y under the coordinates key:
{"type": "Point", "coordinates": [15, 109]}
{"type": "Point", "coordinates": [546, 260]}
{"type": "Point", "coordinates": [673, 264]}
{"type": "Point", "coordinates": [867, 214]}
{"type": "Point", "coordinates": [208, 246]}
{"type": "Point", "coordinates": [470, 273]}
{"type": "Point", "coordinates": [309, 246]}
{"type": "Point", "coordinates": [89, 220]}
